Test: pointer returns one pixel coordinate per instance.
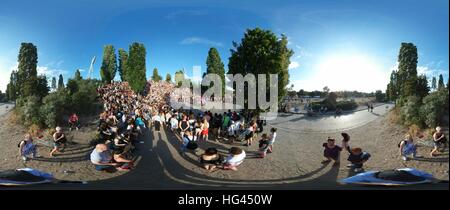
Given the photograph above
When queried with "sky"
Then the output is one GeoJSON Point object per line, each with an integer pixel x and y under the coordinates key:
{"type": "Point", "coordinates": [342, 44]}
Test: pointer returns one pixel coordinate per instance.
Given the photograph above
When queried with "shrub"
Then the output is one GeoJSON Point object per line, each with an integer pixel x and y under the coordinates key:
{"type": "Point", "coordinates": [410, 112]}
{"type": "Point", "coordinates": [53, 108]}
{"type": "Point", "coordinates": [394, 116]}
{"type": "Point", "coordinates": [30, 111]}
{"type": "Point", "coordinates": [435, 108]}
{"type": "Point", "coordinates": [347, 105]}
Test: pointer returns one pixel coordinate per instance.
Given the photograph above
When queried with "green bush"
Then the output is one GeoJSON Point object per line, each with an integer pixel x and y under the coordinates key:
{"type": "Point", "coordinates": [83, 101]}
{"type": "Point", "coordinates": [29, 111]}
{"type": "Point", "coordinates": [347, 105]}
{"type": "Point", "coordinates": [53, 108]}
{"type": "Point", "coordinates": [434, 108]}
{"type": "Point", "coordinates": [410, 112]}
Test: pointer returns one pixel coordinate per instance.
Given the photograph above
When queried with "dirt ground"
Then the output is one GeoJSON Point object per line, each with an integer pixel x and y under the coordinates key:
{"type": "Point", "coordinates": [297, 158]}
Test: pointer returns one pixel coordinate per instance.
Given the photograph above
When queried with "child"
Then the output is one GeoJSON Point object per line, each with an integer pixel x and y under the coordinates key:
{"type": "Point", "coordinates": [272, 137]}
{"type": "Point", "coordinates": [173, 123]}
{"type": "Point", "coordinates": [357, 159]}
{"type": "Point", "coordinates": [345, 140]}
{"type": "Point", "coordinates": [263, 145]}
{"type": "Point", "coordinates": [331, 152]}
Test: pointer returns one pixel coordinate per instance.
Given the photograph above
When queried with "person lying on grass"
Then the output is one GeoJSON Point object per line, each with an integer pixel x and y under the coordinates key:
{"type": "Point", "coordinates": [331, 152]}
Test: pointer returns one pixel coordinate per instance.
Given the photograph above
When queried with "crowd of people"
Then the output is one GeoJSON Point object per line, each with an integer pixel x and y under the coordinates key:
{"type": "Point", "coordinates": [127, 115]}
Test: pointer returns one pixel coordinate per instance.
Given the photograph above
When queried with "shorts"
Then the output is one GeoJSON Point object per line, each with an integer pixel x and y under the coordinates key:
{"type": "Point", "coordinates": [205, 132]}
{"type": "Point", "coordinates": [249, 135]}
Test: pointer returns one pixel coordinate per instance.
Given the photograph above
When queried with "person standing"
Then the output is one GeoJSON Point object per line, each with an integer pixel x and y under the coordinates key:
{"type": "Point", "coordinates": [205, 129]}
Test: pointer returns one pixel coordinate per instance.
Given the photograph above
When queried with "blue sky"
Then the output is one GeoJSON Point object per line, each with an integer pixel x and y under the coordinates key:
{"type": "Point", "coordinates": [346, 45]}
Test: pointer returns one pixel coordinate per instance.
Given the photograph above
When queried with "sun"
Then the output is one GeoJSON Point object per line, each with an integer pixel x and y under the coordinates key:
{"type": "Point", "coordinates": [350, 72]}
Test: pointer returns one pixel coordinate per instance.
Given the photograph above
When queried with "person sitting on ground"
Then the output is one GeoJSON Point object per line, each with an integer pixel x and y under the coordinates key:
{"type": "Point", "coordinates": [210, 159]}
{"type": "Point", "coordinates": [357, 159]}
{"type": "Point", "coordinates": [27, 148]}
{"type": "Point", "coordinates": [188, 142]}
{"type": "Point", "coordinates": [183, 125]}
{"type": "Point", "coordinates": [439, 139]}
{"type": "Point", "coordinates": [73, 122]}
{"type": "Point", "coordinates": [103, 160]}
{"type": "Point", "coordinates": [59, 141]}
{"type": "Point", "coordinates": [105, 134]}
{"type": "Point", "coordinates": [407, 147]}
{"type": "Point", "coordinates": [263, 145]}
{"type": "Point", "coordinates": [198, 128]}
{"type": "Point", "coordinates": [173, 123]}
{"type": "Point", "coordinates": [331, 152]}
{"type": "Point", "coordinates": [234, 159]}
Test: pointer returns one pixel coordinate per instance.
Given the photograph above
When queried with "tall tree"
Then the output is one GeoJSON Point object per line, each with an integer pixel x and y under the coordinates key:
{"type": "Point", "coordinates": [214, 65]}
{"type": "Point", "coordinates": [407, 69]}
{"type": "Point", "coordinates": [136, 70]}
{"type": "Point", "coordinates": [78, 75]}
{"type": "Point", "coordinates": [12, 89]}
{"type": "Point", "coordinates": [109, 64]}
{"type": "Point", "coordinates": [262, 52]}
{"type": "Point", "coordinates": [422, 88]}
{"type": "Point", "coordinates": [393, 88]}
{"type": "Point", "coordinates": [168, 78]}
{"type": "Point", "coordinates": [123, 58]}
{"type": "Point", "coordinates": [433, 83]}
{"type": "Point", "coordinates": [53, 83]}
{"type": "Point", "coordinates": [60, 82]}
{"type": "Point", "coordinates": [155, 76]}
{"type": "Point", "coordinates": [179, 77]}
{"type": "Point", "coordinates": [441, 84]}
{"type": "Point", "coordinates": [42, 88]}
{"type": "Point", "coordinates": [27, 73]}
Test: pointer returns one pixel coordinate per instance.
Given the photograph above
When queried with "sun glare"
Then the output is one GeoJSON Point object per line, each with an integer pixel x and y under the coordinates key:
{"type": "Point", "coordinates": [350, 72]}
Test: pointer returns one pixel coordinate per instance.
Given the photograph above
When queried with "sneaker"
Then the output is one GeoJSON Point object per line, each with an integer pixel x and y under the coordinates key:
{"type": "Point", "coordinates": [404, 158]}
{"type": "Point", "coordinates": [350, 166]}
{"type": "Point", "coordinates": [24, 158]}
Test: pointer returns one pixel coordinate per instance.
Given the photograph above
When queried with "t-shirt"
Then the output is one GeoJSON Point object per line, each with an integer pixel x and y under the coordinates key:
{"type": "Point", "coordinates": [358, 158]}
{"type": "Point", "coordinates": [174, 123]}
{"type": "Point", "coordinates": [226, 120]}
{"type": "Point", "coordinates": [100, 157]}
{"type": "Point", "coordinates": [235, 160]}
{"type": "Point", "coordinates": [272, 138]}
{"type": "Point", "coordinates": [331, 152]}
